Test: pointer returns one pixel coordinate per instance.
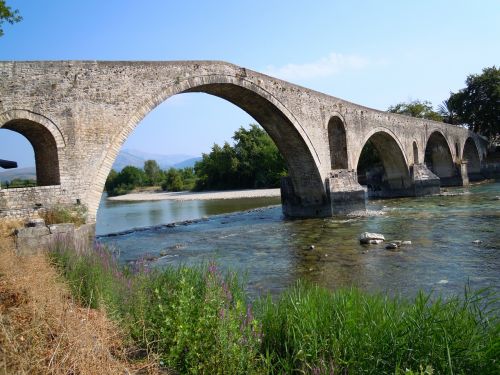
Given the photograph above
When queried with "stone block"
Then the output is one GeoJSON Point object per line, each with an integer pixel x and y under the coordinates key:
{"type": "Point", "coordinates": [66, 228]}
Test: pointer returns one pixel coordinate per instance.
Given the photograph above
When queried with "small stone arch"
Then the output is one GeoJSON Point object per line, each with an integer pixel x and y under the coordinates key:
{"type": "Point", "coordinates": [470, 154]}
{"type": "Point", "coordinates": [392, 177]}
{"type": "Point", "coordinates": [415, 153]}
{"type": "Point", "coordinates": [338, 143]}
{"type": "Point", "coordinates": [45, 138]}
{"type": "Point", "coordinates": [438, 157]}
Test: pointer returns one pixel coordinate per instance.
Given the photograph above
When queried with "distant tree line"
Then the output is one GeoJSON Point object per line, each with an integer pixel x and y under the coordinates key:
{"type": "Point", "coordinates": [253, 162]}
{"type": "Point", "coordinates": [130, 178]}
{"type": "Point", "coordinates": [18, 183]}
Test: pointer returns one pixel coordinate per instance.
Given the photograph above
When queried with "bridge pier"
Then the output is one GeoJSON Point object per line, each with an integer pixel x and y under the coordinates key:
{"type": "Point", "coordinates": [346, 194]}
{"type": "Point", "coordinates": [459, 178]}
{"type": "Point", "coordinates": [300, 206]}
{"type": "Point", "coordinates": [424, 181]}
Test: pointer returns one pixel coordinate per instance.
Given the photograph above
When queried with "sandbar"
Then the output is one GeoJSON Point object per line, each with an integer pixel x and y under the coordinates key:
{"type": "Point", "coordinates": [202, 195]}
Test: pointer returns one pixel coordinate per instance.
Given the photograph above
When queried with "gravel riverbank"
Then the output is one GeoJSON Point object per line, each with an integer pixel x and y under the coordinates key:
{"type": "Point", "coordinates": [204, 195]}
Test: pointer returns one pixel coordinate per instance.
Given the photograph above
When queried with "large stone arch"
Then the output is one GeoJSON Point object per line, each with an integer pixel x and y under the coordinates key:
{"type": "Point", "coordinates": [395, 179]}
{"type": "Point", "coordinates": [337, 141]}
{"type": "Point", "coordinates": [45, 138]}
{"type": "Point", "coordinates": [439, 159]}
{"type": "Point", "coordinates": [470, 154]}
{"type": "Point", "coordinates": [285, 130]}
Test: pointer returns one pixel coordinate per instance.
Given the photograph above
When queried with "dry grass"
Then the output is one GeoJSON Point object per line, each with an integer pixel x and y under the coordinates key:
{"type": "Point", "coordinates": [7, 227]}
{"type": "Point", "coordinates": [42, 331]}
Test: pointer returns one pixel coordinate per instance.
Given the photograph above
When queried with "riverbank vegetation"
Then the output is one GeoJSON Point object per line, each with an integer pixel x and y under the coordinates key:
{"type": "Point", "coordinates": [200, 320]}
{"type": "Point", "coordinates": [43, 330]}
{"type": "Point", "coordinates": [252, 162]}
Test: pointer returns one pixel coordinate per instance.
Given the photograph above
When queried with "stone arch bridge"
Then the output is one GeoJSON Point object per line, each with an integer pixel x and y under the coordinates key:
{"type": "Point", "coordinates": [77, 115]}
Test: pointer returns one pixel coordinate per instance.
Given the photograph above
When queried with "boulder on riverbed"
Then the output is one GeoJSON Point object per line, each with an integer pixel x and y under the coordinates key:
{"type": "Point", "coordinates": [392, 246]}
{"type": "Point", "coordinates": [371, 238]}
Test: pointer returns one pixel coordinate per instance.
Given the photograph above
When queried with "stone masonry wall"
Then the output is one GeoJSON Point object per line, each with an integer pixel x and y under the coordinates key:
{"type": "Point", "coordinates": [91, 107]}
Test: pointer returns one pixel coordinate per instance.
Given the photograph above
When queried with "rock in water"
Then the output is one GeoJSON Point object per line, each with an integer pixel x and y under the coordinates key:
{"type": "Point", "coordinates": [391, 246]}
{"type": "Point", "coordinates": [477, 242]}
{"type": "Point", "coordinates": [367, 237]}
{"type": "Point", "coordinates": [406, 243]}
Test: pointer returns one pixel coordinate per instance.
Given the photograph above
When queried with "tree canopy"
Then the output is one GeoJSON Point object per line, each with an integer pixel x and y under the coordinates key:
{"type": "Point", "coordinates": [8, 15]}
{"type": "Point", "coordinates": [416, 108]}
{"type": "Point", "coordinates": [253, 162]}
{"type": "Point", "coordinates": [153, 172]}
{"type": "Point", "coordinates": [478, 104]}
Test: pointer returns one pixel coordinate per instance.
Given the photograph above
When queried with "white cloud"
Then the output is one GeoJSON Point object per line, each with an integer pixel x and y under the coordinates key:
{"type": "Point", "coordinates": [328, 66]}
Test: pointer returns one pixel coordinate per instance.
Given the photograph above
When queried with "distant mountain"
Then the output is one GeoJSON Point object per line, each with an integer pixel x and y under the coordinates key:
{"type": "Point", "coordinates": [187, 163]}
{"type": "Point", "coordinates": [137, 158]}
{"type": "Point", "coordinates": [27, 173]}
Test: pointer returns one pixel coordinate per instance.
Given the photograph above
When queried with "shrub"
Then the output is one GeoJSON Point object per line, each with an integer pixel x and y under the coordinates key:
{"type": "Point", "coordinates": [76, 214]}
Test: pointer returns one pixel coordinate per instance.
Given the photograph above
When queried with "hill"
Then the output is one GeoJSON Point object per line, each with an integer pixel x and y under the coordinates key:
{"type": "Point", "coordinates": [137, 158]}
{"type": "Point", "coordinates": [28, 173]}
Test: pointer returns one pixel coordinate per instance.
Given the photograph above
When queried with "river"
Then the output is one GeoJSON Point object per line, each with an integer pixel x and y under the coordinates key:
{"type": "Point", "coordinates": [273, 252]}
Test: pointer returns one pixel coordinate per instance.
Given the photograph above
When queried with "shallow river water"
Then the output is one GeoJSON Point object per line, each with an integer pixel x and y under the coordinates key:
{"type": "Point", "coordinates": [273, 252]}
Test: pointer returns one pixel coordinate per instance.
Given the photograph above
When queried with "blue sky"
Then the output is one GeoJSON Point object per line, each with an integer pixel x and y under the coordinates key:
{"type": "Point", "coordinates": [375, 53]}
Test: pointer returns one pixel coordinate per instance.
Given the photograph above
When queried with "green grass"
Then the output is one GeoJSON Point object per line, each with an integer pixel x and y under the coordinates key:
{"type": "Point", "coordinates": [311, 329]}
{"type": "Point", "coordinates": [199, 321]}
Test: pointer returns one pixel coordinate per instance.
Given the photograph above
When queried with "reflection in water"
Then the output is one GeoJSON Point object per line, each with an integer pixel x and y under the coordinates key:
{"type": "Point", "coordinates": [114, 216]}
{"type": "Point", "coordinates": [273, 252]}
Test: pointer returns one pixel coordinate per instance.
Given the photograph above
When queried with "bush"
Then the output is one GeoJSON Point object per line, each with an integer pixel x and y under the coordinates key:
{"type": "Point", "coordinates": [76, 214]}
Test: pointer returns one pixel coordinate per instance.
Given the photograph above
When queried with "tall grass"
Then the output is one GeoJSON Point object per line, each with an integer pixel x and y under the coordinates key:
{"type": "Point", "coordinates": [312, 330]}
{"type": "Point", "coordinates": [199, 320]}
{"type": "Point", "coordinates": [195, 319]}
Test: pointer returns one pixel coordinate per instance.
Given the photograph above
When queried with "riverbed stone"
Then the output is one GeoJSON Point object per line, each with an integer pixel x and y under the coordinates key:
{"type": "Point", "coordinates": [406, 243]}
{"type": "Point", "coordinates": [477, 242]}
{"type": "Point", "coordinates": [366, 237]}
{"type": "Point", "coordinates": [391, 246]}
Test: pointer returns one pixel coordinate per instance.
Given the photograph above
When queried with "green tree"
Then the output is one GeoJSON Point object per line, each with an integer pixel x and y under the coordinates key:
{"type": "Point", "coordinates": [448, 113]}
{"type": "Point", "coordinates": [260, 162]}
{"type": "Point", "coordinates": [8, 15]}
{"type": "Point", "coordinates": [253, 162]}
{"type": "Point", "coordinates": [218, 170]}
{"type": "Point", "coordinates": [153, 172]}
{"type": "Point", "coordinates": [111, 180]}
{"type": "Point", "coordinates": [173, 180]}
{"type": "Point", "coordinates": [478, 104]}
{"type": "Point", "coordinates": [124, 182]}
{"type": "Point", "coordinates": [416, 108]}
